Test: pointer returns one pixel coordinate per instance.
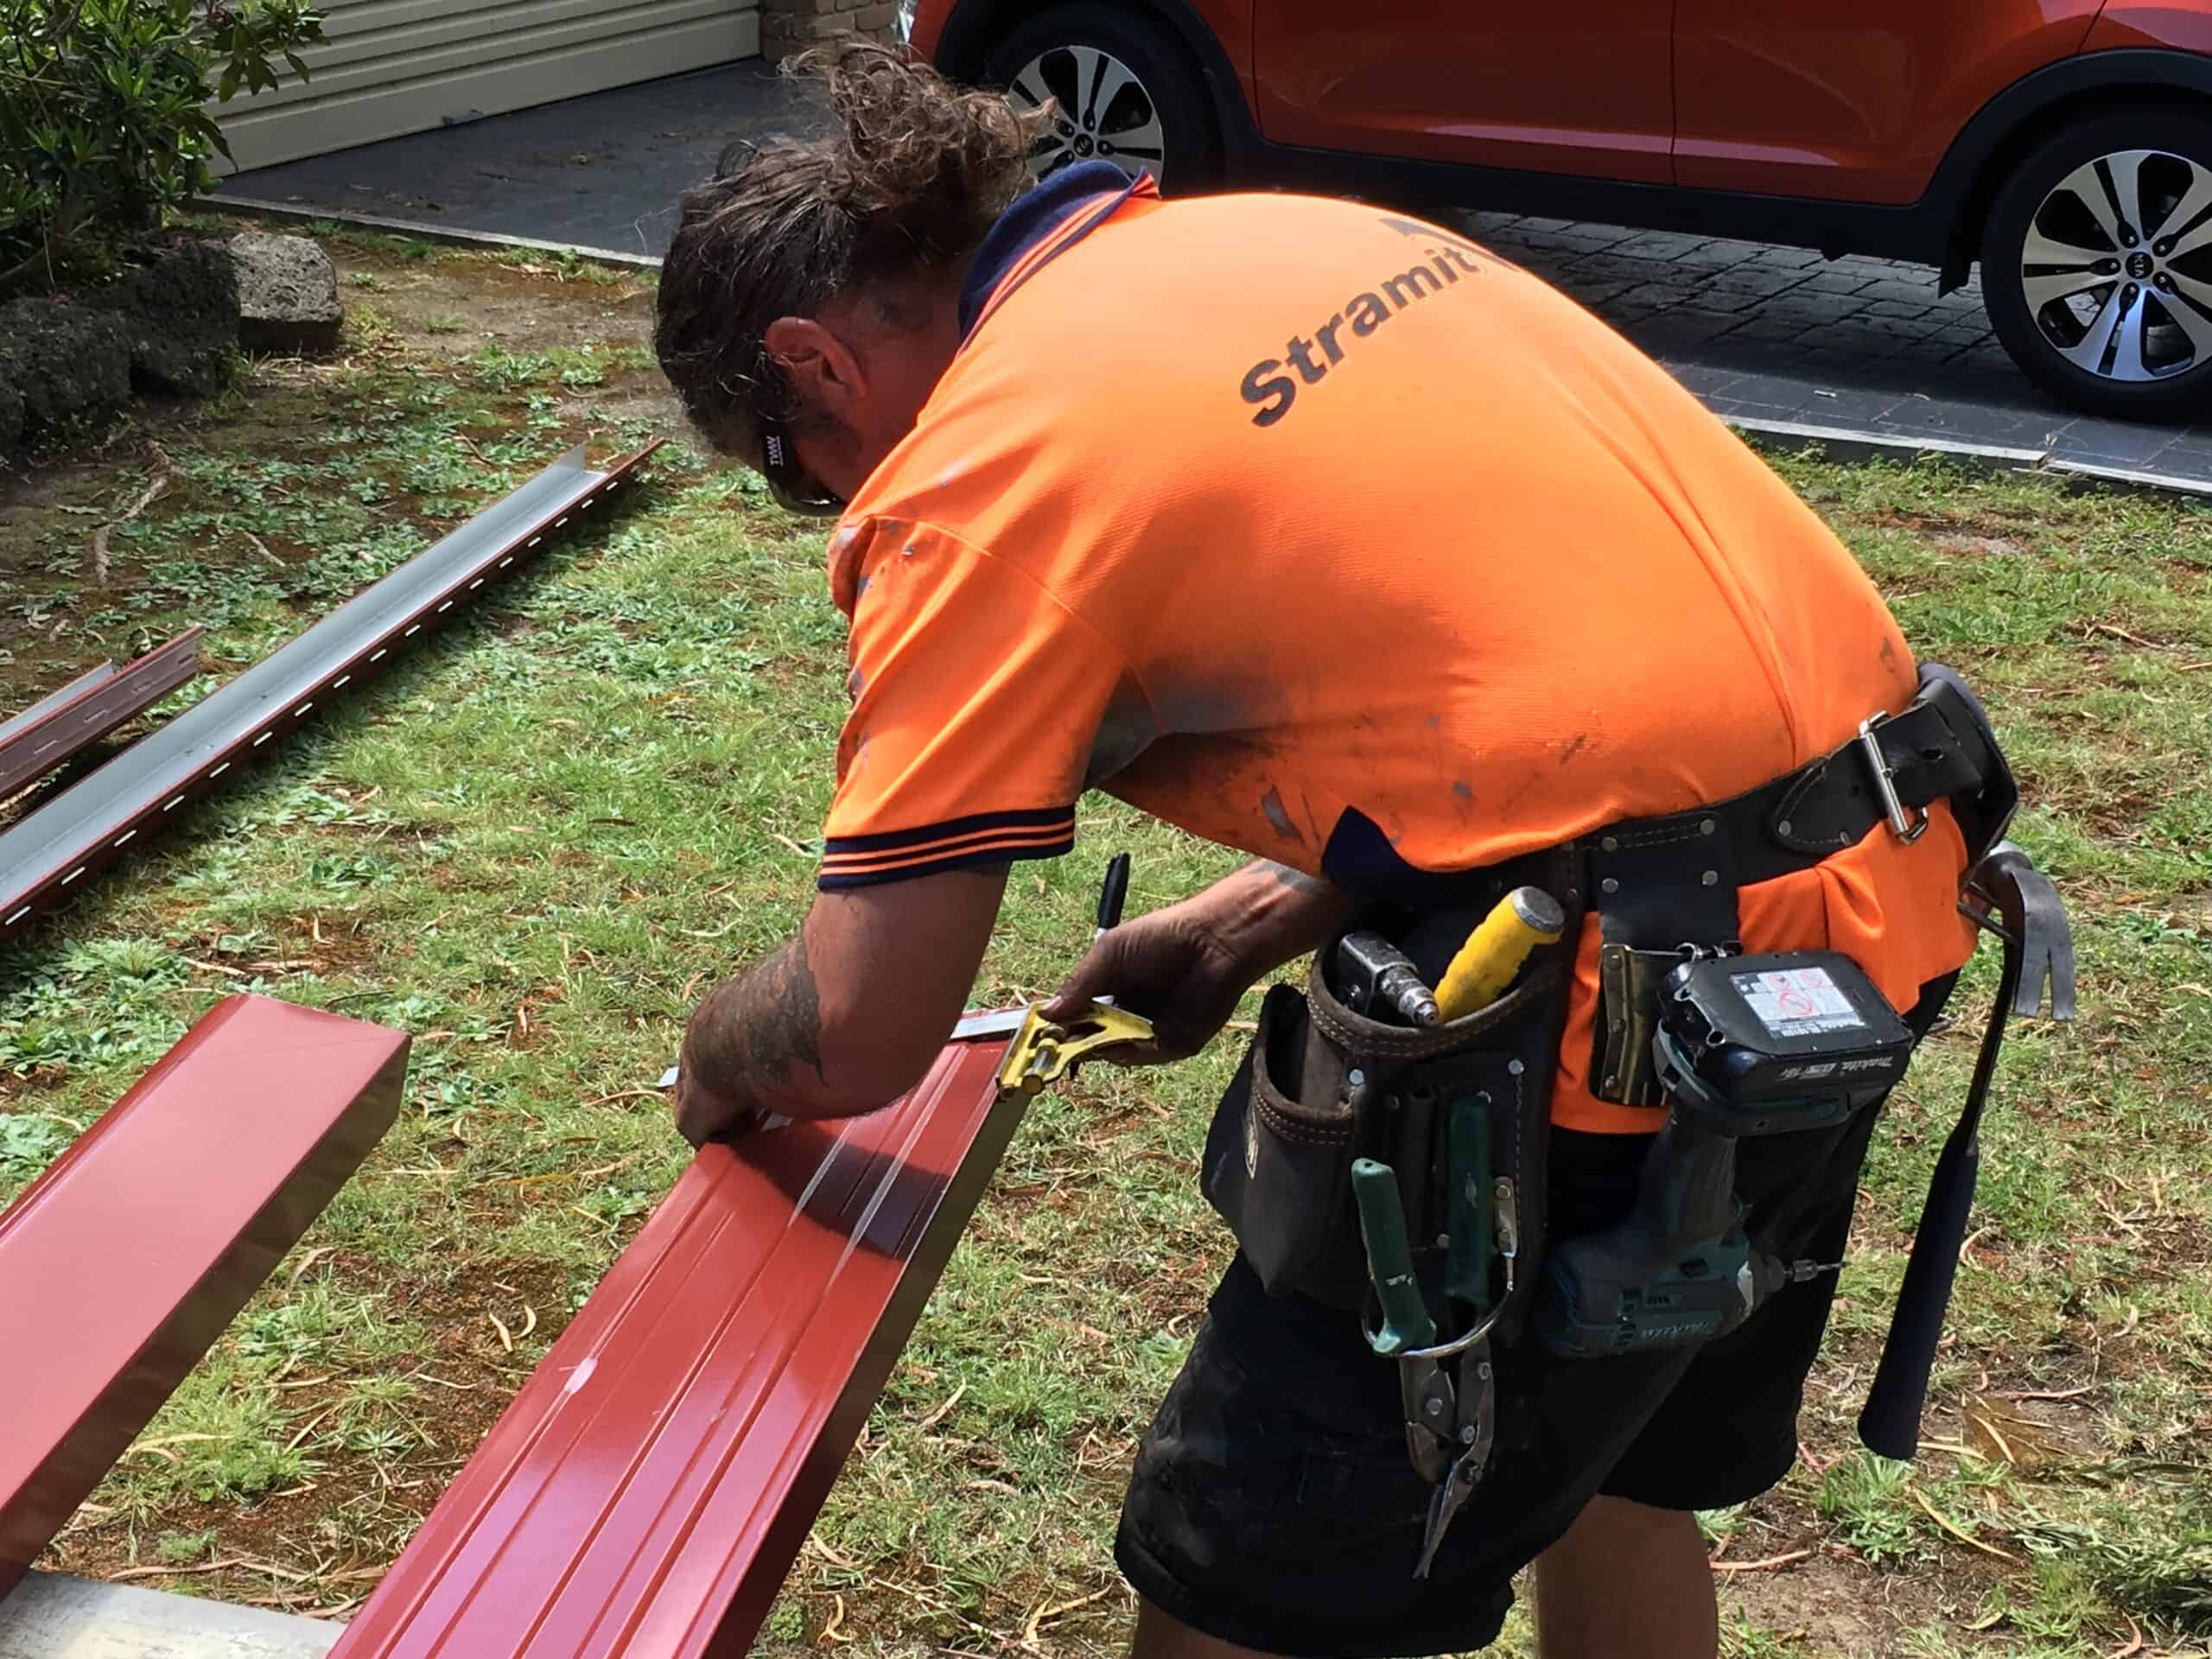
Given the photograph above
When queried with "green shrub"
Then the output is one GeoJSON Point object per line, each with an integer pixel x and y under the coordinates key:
{"type": "Point", "coordinates": [102, 122]}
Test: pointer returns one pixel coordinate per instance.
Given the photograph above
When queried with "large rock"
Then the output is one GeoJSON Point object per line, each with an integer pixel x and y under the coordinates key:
{"type": "Point", "coordinates": [180, 305]}
{"type": "Point", "coordinates": [69, 366]}
{"type": "Point", "coordinates": [288, 294]}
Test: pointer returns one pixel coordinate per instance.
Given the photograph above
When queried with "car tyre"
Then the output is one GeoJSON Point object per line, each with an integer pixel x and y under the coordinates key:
{"type": "Point", "coordinates": [1125, 89]}
{"type": "Point", "coordinates": [2096, 264]}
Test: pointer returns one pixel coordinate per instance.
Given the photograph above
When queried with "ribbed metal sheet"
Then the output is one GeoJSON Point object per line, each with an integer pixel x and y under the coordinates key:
{"type": "Point", "coordinates": [122, 1264]}
{"type": "Point", "coordinates": [89, 707]}
{"type": "Point", "coordinates": [648, 1490]}
{"type": "Point", "coordinates": [51, 850]}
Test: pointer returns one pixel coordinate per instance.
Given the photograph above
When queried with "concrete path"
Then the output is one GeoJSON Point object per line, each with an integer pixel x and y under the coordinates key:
{"type": "Point", "coordinates": [1777, 336]}
{"type": "Point", "coordinates": [600, 172]}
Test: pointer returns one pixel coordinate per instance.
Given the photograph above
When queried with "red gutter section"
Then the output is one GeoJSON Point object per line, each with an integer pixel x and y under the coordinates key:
{"type": "Point", "coordinates": [16, 725]}
{"type": "Point", "coordinates": [90, 707]}
{"type": "Point", "coordinates": [122, 1263]}
{"type": "Point", "coordinates": [647, 1492]}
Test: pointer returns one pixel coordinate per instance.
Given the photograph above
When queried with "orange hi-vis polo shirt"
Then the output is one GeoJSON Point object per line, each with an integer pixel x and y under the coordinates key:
{"type": "Point", "coordinates": [1326, 534]}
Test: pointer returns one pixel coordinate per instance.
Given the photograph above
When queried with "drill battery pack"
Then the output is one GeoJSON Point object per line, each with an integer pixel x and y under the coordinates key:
{"type": "Point", "coordinates": [1745, 1046]}
{"type": "Point", "coordinates": [1758, 1044]}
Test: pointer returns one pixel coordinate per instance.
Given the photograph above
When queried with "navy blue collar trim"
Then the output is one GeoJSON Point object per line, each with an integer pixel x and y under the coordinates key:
{"type": "Point", "coordinates": [1035, 214]}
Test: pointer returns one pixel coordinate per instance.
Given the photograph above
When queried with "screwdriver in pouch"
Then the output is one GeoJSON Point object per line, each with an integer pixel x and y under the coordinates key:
{"type": "Point", "coordinates": [1479, 976]}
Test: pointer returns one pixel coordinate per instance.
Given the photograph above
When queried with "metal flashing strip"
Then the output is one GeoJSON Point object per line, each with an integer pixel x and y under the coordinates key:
{"type": "Point", "coordinates": [84, 827]}
{"type": "Point", "coordinates": [648, 1490]}
{"type": "Point", "coordinates": [90, 707]}
{"type": "Point", "coordinates": [458, 236]}
{"type": "Point", "coordinates": [121, 1263]}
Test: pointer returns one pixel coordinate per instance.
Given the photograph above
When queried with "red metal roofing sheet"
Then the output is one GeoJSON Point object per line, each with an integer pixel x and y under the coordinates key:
{"type": "Point", "coordinates": [90, 707]}
{"type": "Point", "coordinates": [121, 1265]}
{"type": "Point", "coordinates": [648, 1490]}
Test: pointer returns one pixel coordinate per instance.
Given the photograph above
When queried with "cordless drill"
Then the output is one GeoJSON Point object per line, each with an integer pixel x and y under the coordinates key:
{"type": "Point", "coordinates": [1746, 1046]}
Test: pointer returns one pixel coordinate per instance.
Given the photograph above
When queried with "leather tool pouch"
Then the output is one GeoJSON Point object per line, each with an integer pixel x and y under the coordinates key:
{"type": "Point", "coordinates": [1322, 1085]}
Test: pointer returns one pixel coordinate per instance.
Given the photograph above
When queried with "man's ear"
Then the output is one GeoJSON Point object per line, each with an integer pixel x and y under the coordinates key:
{"type": "Point", "coordinates": [822, 370]}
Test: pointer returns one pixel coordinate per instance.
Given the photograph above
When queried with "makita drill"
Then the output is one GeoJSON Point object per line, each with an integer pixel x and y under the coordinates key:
{"type": "Point", "coordinates": [1745, 1046]}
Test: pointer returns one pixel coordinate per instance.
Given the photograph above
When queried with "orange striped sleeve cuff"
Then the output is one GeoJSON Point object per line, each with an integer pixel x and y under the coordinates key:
{"type": "Point", "coordinates": [957, 844]}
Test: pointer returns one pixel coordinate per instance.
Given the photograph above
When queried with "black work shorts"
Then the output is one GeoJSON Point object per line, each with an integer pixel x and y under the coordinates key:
{"type": "Point", "coordinates": [1273, 1504]}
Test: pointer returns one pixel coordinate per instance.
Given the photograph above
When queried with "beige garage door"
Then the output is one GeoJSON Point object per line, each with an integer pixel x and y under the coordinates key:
{"type": "Point", "coordinates": [402, 65]}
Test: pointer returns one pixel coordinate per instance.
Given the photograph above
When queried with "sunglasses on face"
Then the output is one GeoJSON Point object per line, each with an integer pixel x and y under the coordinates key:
{"type": "Point", "coordinates": [795, 491]}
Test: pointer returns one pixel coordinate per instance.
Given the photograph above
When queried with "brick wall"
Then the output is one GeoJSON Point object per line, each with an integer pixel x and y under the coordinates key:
{"type": "Point", "coordinates": [789, 26]}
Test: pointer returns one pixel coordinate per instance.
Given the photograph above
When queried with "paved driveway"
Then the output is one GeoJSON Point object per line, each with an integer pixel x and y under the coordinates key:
{"type": "Point", "coordinates": [1765, 334]}
{"type": "Point", "coordinates": [1782, 335]}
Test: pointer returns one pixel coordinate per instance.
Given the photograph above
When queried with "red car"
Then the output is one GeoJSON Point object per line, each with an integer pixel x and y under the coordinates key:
{"type": "Point", "coordinates": [2065, 144]}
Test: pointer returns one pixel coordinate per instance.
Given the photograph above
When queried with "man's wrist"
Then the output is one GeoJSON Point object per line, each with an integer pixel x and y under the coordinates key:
{"type": "Point", "coordinates": [1269, 913]}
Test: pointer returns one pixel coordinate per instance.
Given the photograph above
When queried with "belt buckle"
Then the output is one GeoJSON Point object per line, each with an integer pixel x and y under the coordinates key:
{"type": "Point", "coordinates": [1906, 829]}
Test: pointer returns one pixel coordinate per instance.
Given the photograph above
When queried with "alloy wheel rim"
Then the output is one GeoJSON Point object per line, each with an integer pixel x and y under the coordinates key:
{"type": "Point", "coordinates": [1101, 111]}
{"type": "Point", "coordinates": [2117, 267]}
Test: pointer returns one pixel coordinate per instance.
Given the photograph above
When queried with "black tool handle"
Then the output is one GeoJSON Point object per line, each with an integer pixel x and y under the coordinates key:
{"type": "Point", "coordinates": [1114, 892]}
{"type": "Point", "coordinates": [1890, 1423]}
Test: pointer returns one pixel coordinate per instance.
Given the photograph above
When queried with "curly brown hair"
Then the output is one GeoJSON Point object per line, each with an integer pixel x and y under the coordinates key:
{"type": "Point", "coordinates": [906, 185]}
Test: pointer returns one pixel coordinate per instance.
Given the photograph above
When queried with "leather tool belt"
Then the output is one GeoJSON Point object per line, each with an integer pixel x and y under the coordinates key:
{"type": "Point", "coordinates": [1322, 1085]}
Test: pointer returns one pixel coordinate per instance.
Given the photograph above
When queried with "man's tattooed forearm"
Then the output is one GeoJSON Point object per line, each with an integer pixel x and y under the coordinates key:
{"type": "Point", "coordinates": [1293, 880]}
{"type": "Point", "coordinates": [753, 1032]}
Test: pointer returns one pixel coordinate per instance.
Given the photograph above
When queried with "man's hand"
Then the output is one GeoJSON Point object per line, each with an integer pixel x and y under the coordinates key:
{"type": "Point", "coordinates": [703, 1115]}
{"type": "Point", "coordinates": [1185, 968]}
{"type": "Point", "coordinates": [1171, 968]}
{"type": "Point", "coordinates": [845, 1017]}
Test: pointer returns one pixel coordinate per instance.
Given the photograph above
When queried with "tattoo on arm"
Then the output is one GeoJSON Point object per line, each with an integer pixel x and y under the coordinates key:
{"type": "Point", "coordinates": [1289, 880]}
{"type": "Point", "coordinates": [748, 1037]}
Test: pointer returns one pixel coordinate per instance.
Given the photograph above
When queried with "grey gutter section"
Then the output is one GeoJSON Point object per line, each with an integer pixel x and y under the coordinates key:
{"type": "Point", "coordinates": [90, 707]}
{"type": "Point", "coordinates": [422, 231]}
{"type": "Point", "coordinates": [48, 852]}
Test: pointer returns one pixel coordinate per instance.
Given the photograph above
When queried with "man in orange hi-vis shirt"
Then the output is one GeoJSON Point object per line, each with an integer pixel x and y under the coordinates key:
{"type": "Point", "coordinates": [1320, 532]}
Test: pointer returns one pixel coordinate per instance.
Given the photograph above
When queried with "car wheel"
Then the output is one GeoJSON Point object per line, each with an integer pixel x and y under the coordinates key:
{"type": "Point", "coordinates": [2096, 264]}
{"type": "Point", "coordinates": [1121, 89]}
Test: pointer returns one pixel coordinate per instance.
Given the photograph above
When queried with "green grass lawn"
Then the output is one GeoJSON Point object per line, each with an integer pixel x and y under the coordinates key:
{"type": "Point", "coordinates": [539, 838]}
